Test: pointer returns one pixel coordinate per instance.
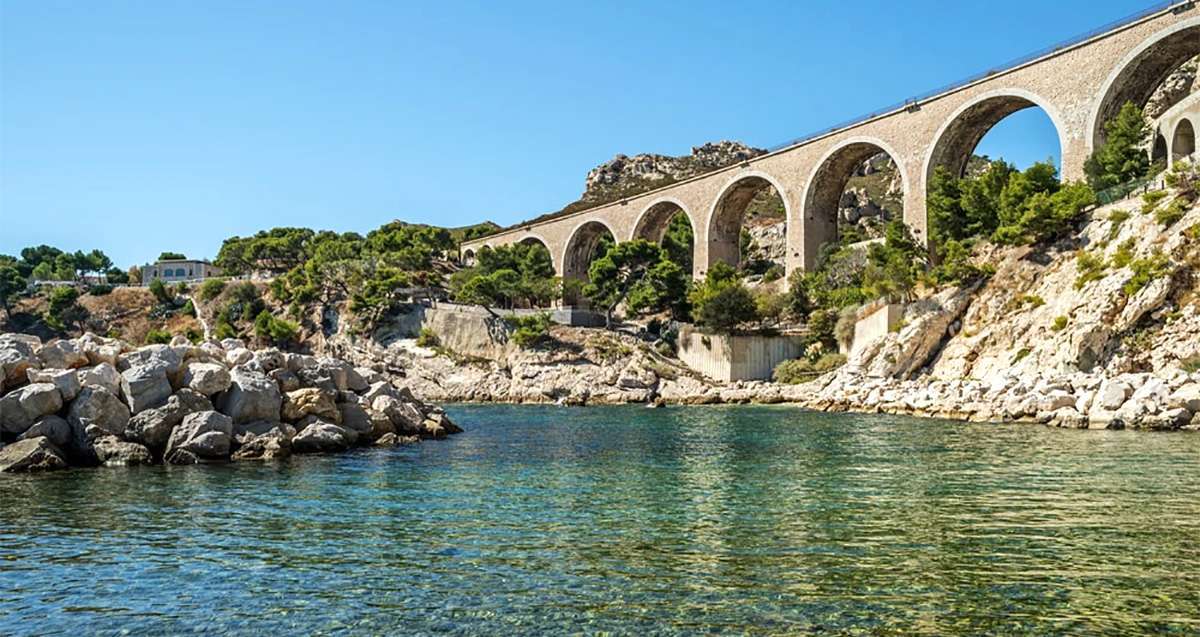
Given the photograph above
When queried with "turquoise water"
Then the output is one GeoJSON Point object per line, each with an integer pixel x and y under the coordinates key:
{"type": "Point", "coordinates": [628, 520]}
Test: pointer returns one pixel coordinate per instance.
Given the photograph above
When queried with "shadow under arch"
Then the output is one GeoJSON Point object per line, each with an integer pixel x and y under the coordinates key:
{"type": "Point", "coordinates": [723, 230]}
{"type": "Point", "coordinates": [825, 186]}
{"type": "Point", "coordinates": [1141, 71]}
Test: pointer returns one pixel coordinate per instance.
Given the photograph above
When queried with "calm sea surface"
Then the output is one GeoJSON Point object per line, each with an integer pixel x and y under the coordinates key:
{"type": "Point", "coordinates": [629, 521]}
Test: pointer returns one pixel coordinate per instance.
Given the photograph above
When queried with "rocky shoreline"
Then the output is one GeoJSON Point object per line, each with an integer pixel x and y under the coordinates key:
{"type": "Point", "coordinates": [97, 401]}
{"type": "Point", "coordinates": [578, 375]}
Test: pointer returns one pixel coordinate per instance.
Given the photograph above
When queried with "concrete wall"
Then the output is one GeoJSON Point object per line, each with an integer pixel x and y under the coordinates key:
{"type": "Point", "coordinates": [740, 357]}
{"type": "Point", "coordinates": [876, 324]}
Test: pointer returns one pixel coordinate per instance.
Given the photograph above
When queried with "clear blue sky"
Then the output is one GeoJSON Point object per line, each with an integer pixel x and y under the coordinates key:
{"type": "Point", "coordinates": [137, 127]}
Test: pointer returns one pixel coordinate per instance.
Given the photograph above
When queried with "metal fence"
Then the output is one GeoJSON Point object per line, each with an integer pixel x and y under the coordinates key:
{"type": "Point", "coordinates": [915, 101]}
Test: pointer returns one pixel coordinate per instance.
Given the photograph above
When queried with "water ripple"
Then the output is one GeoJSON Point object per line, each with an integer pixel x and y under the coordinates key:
{"type": "Point", "coordinates": [543, 520]}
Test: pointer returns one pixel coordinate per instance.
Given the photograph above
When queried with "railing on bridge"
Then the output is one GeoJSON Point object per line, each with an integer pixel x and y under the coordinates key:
{"type": "Point", "coordinates": [914, 103]}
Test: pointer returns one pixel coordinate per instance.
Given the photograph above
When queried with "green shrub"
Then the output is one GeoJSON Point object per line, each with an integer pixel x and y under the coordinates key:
{"type": "Point", "coordinates": [1022, 353]}
{"type": "Point", "coordinates": [1060, 323]}
{"type": "Point", "coordinates": [188, 309]}
{"type": "Point", "coordinates": [427, 338]}
{"type": "Point", "coordinates": [528, 331]}
{"type": "Point", "coordinates": [1116, 218]}
{"type": "Point", "coordinates": [1190, 364]}
{"type": "Point", "coordinates": [1033, 300]}
{"type": "Point", "coordinates": [1146, 270]}
{"type": "Point", "coordinates": [193, 335]}
{"type": "Point", "coordinates": [211, 289]}
{"type": "Point", "coordinates": [1090, 266]}
{"type": "Point", "coordinates": [801, 370]}
{"type": "Point", "coordinates": [1124, 254]}
{"type": "Point", "coordinates": [1150, 200]}
{"type": "Point", "coordinates": [1171, 215]}
{"type": "Point", "coordinates": [64, 309]}
{"type": "Point", "coordinates": [843, 330]}
{"type": "Point", "coordinates": [101, 289]}
{"type": "Point", "coordinates": [157, 337]}
{"type": "Point", "coordinates": [181, 289]}
{"type": "Point", "coordinates": [722, 301]}
{"type": "Point", "coordinates": [160, 292]}
{"type": "Point", "coordinates": [773, 273]}
{"type": "Point", "coordinates": [274, 330]}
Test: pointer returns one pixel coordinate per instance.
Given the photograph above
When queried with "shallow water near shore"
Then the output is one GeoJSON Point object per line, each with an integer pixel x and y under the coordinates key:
{"type": "Point", "coordinates": [555, 520]}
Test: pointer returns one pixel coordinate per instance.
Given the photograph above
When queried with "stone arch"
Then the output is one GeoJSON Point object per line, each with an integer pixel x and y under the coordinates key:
{"type": "Point", "coordinates": [1183, 141]}
{"type": "Point", "coordinates": [652, 223]}
{"type": "Point", "coordinates": [825, 185]}
{"type": "Point", "coordinates": [581, 246]}
{"type": "Point", "coordinates": [723, 230]}
{"type": "Point", "coordinates": [468, 256]}
{"type": "Point", "coordinates": [1140, 72]}
{"type": "Point", "coordinates": [1158, 152]}
{"type": "Point", "coordinates": [535, 238]}
{"type": "Point", "coordinates": [962, 132]}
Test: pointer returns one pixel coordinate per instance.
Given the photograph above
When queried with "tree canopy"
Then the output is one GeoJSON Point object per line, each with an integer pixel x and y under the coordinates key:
{"type": "Point", "coordinates": [516, 275]}
{"type": "Point", "coordinates": [639, 274]}
{"type": "Point", "coordinates": [1122, 157]}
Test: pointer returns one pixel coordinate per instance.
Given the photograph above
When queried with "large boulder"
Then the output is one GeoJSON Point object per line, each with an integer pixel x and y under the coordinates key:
{"type": "Point", "coordinates": [320, 436]}
{"type": "Point", "coordinates": [170, 359]}
{"type": "Point", "coordinates": [299, 404]}
{"type": "Point", "coordinates": [271, 359]}
{"type": "Point", "coordinates": [94, 414]}
{"type": "Point", "coordinates": [53, 428]}
{"type": "Point", "coordinates": [66, 380]}
{"type": "Point", "coordinates": [406, 418]}
{"type": "Point", "coordinates": [343, 374]}
{"type": "Point", "coordinates": [102, 375]}
{"type": "Point", "coordinates": [33, 454]}
{"type": "Point", "coordinates": [153, 427]}
{"type": "Point", "coordinates": [354, 417]}
{"type": "Point", "coordinates": [206, 378]}
{"type": "Point", "coordinates": [251, 396]}
{"type": "Point", "coordinates": [111, 451]}
{"type": "Point", "coordinates": [145, 386]}
{"type": "Point", "coordinates": [19, 409]}
{"type": "Point", "coordinates": [287, 380]}
{"type": "Point", "coordinates": [263, 441]}
{"type": "Point", "coordinates": [62, 354]}
{"type": "Point", "coordinates": [1113, 393]}
{"type": "Point", "coordinates": [18, 352]}
{"type": "Point", "coordinates": [202, 436]}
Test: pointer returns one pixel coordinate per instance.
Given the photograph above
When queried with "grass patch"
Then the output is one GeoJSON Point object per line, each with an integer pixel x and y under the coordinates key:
{"type": "Point", "coordinates": [1060, 323]}
{"type": "Point", "coordinates": [1146, 270]}
{"type": "Point", "coordinates": [1151, 199]}
{"type": "Point", "coordinates": [1090, 266]}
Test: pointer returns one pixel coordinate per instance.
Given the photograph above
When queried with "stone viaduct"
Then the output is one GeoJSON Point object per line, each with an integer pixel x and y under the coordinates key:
{"type": "Point", "coordinates": [1080, 85]}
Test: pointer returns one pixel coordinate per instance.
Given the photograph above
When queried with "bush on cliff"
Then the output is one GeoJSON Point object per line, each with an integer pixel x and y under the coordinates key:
{"type": "Point", "coordinates": [802, 370]}
{"type": "Point", "coordinates": [722, 302]}
{"type": "Point", "coordinates": [273, 330]}
{"type": "Point", "coordinates": [529, 331]}
{"type": "Point", "coordinates": [64, 310]}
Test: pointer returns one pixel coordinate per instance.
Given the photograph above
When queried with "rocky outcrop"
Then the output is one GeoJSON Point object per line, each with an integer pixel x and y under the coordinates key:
{"type": "Point", "coordinates": [70, 405]}
{"type": "Point", "coordinates": [622, 174]}
{"type": "Point", "coordinates": [1177, 85]}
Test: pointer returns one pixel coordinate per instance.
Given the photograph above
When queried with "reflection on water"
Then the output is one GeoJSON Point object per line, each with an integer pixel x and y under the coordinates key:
{"type": "Point", "coordinates": [635, 521]}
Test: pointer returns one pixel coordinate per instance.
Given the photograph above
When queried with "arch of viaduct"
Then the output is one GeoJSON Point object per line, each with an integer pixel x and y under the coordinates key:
{"type": "Point", "coordinates": [1079, 87]}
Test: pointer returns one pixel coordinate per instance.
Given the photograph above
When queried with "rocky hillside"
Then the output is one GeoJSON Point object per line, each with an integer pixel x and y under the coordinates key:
{"type": "Point", "coordinates": [1178, 84]}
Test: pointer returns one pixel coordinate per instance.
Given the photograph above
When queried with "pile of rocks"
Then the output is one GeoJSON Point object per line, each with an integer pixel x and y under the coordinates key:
{"type": "Point", "coordinates": [1167, 400]}
{"type": "Point", "coordinates": [98, 401]}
